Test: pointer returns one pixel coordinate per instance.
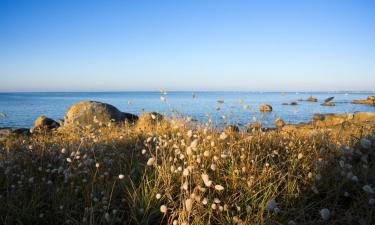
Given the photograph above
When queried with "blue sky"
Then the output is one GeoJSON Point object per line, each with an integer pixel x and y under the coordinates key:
{"type": "Point", "coordinates": [269, 45]}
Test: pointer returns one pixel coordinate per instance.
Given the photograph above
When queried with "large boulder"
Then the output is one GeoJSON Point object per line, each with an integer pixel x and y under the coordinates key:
{"type": "Point", "coordinates": [43, 123]}
{"type": "Point", "coordinates": [93, 113]}
{"type": "Point", "coordinates": [265, 108]}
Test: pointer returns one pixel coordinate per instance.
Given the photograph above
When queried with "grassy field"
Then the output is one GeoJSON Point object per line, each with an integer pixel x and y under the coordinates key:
{"type": "Point", "coordinates": [179, 173]}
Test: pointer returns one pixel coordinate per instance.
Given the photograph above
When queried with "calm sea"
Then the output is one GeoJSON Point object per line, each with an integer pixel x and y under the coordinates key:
{"type": "Point", "coordinates": [22, 109]}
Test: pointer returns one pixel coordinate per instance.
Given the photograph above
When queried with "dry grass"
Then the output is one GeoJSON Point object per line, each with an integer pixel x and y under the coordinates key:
{"type": "Point", "coordinates": [183, 174]}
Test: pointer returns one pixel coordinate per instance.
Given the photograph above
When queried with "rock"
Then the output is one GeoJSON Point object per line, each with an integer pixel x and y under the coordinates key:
{"type": "Point", "coordinates": [290, 103]}
{"type": "Point", "coordinates": [361, 117]}
{"type": "Point", "coordinates": [279, 123]}
{"type": "Point", "coordinates": [6, 132]}
{"type": "Point", "coordinates": [231, 128]}
{"type": "Point", "coordinates": [253, 126]}
{"type": "Point", "coordinates": [318, 117]}
{"type": "Point", "coordinates": [328, 104]}
{"type": "Point", "coordinates": [45, 122]}
{"type": "Point", "coordinates": [369, 101]}
{"type": "Point", "coordinates": [149, 120]}
{"type": "Point", "coordinates": [311, 99]}
{"type": "Point", "coordinates": [95, 114]}
{"type": "Point", "coordinates": [329, 99]}
{"type": "Point", "coordinates": [265, 108]}
{"type": "Point", "coordinates": [300, 100]}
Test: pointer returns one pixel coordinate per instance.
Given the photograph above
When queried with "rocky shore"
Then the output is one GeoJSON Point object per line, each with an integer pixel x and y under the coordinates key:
{"type": "Point", "coordinates": [93, 114]}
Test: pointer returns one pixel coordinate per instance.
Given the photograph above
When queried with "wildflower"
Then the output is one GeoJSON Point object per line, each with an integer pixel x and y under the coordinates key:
{"type": "Point", "coordinates": [151, 161]}
{"type": "Point", "coordinates": [213, 206]}
{"type": "Point", "coordinates": [107, 217]}
{"type": "Point", "coordinates": [121, 176]}
{"type": "Point", "coordinates": [368, 189]}
{"type": "Point", "coordinates": [206, 154]}
{"type": "Point", "coordinates": [365, 143]}
{"type": "Point", "coordinates": [276, 210]}
{"type": "Point", "coordinates": [194, 144]}
{"type": "Point", "coordinates": [204, 201]}
{"type": "Point", "coordinates": [144, 151]}
{"type": "Point", "coordinates": [216, 200]}
{"type": "Point", "coordinates": [63, 151]}
{"type": "Point", "coordinates": [69, 160]}
{"type": "Point", "coordinates": [213, 167]}
{"type": "Point", "coordinates": [271, 205]}
{"type": "Point", "coordinates": [31, 180]}
{"type": "Point", "coordinates": [163, 209]}
{"type": "Point", "coordinates": [190, 133]}
{"type": "Point", "coordinates": [300, 156]}
{"type": "Point", "coordinates": [206, 180]}
{"type": "Point", "coordinates": [188, 204]}
{"type": "Point", "coordinates": [325, 214]}
{"type": "Point", "coordinates": [219, 187]}
{"type": "Point", "coordinates": [97, 165]}
{"type": "Point", "coordinates": [185, 173]}
{"type": "Point", "coordinates": [223, 136]}
{"type": "Point", "coordinates": [158, 196]}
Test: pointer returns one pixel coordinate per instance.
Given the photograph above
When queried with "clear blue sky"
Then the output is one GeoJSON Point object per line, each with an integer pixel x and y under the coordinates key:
{"type": "Point", "coordinates": [187, 45]}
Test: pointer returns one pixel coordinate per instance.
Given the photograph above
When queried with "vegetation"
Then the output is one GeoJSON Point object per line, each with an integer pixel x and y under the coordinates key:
{"type": "Point", "coordinates": [177, 172]}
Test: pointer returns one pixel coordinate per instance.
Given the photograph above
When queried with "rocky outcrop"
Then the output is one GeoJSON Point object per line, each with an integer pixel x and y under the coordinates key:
{"type": "Point", "coordinates": [265, 108]}
{"type": "Point", "coordinates": [44, 123]}
{"type": "Point", "coordinates": [6, 132]}
{"type": "Point", "coordinates": [96, 114]}
{"type": "Point", "coordinates": [369, 101]}
{"type": "Point", "coordinates": [324, 120]}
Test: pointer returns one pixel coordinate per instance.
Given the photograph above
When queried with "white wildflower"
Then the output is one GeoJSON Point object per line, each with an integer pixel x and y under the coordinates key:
{"type": "Point", "coordinates": [223, 136]}
{"type": "Point", "coordinates": [121, 176]}
{"type": "Point", "coordinates": [158, 196]}
{"type": "Point", "coordinates": [219, 187]}
{"type": "Point", "coordinates": [325, 214]}
{"type": "Point", "coordinates": [151, 161]}
{"type": "Point", "coordinates": [271, 205]}
{"type": "Point", "coordinates": [189, 204]}
{"type": "Point", "coordinates": [163, 209]}
{"type": "Point", "coordinates": [206, 180]}
{"type": "Point", "coordinates": [368, 189]}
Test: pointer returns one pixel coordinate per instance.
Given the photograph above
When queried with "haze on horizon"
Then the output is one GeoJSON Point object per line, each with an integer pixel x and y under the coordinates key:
{"type": "Point", "coordinates": [192, 45]}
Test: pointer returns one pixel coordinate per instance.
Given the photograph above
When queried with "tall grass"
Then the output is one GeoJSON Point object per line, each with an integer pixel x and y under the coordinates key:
{"type": "Point", "coordinates": [176, 173]}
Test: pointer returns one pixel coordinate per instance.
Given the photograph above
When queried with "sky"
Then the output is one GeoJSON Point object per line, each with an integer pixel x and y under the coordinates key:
{"type": "Point", "coordinates": [192, 45]}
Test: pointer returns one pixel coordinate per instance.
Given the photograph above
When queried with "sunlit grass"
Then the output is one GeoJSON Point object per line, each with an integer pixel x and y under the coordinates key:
{"type": "Point", "coordinates": [176, 173]}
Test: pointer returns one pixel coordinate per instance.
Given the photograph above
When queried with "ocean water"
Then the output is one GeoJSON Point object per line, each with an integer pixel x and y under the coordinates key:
{"type": "Point", "coordinates": [21, 109]}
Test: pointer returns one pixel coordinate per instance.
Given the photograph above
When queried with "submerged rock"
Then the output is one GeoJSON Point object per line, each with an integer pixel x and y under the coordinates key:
{"type": "Point", "coordinates": [265, 108]}
{"type": "Point", "coordinates": [328, 104]}
{"type": "Point", "coordinates": [96, 114]}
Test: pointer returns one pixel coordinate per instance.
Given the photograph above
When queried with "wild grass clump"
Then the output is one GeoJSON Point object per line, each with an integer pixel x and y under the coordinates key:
{"type": "Point", "coordinates": [184, 174]}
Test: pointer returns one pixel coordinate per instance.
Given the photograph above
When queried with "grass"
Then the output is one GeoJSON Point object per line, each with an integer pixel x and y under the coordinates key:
{"type": "Point", "coordinates": [273, 177]}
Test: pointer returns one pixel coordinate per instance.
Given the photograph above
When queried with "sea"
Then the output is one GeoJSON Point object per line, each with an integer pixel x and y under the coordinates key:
{"type": "Point", "coordinates": [21, 109]}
